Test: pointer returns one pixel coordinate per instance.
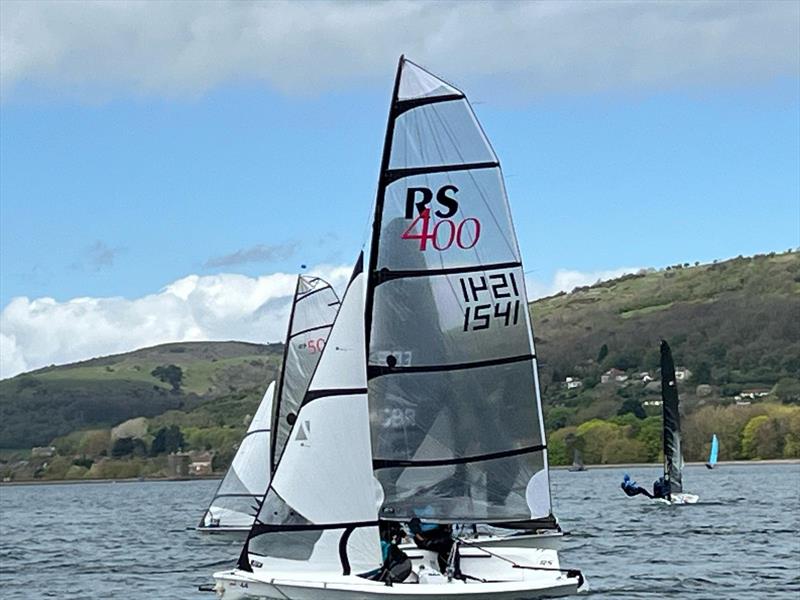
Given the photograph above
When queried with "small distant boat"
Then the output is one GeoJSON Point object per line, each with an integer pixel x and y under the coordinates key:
{"type": "Point", "coordinates": [712, 455]}
{"type": "Point", "coordinates": [577, 462]}
{"type": "Point", "coordinates": [673, 458]}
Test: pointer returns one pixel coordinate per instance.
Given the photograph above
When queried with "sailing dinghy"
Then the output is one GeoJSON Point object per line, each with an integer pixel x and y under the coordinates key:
{"type": "Point", "coordinates": [424, 403]}
{"type": "Point", "coordinates": [713, 453]}
{"type": "Point", "coordinates": [673, 458]}
{"type": "Point", "coordinates": [577, 462]}
{"type": "Point", "coordinates": [237, 498]}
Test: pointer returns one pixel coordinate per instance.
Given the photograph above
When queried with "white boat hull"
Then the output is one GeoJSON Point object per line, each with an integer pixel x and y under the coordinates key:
{"type": "Point", "coordinates": [515, 583]}
{"type": "Point", "coordinates": [680, 499]}
{"type": "Point", "coordinates": [226, 533]}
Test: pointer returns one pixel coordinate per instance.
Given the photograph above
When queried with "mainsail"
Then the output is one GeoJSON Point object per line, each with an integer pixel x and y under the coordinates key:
{"type": "Point", "coordinates": [673, 460]}
{"type": "Point", "coordinates": [314, 309]}
{"type": "Point", "coordinates": [457, 433]}
{"type": "Point", "coordinates": [713, 454]}
{"type": "Point", "coordinates": [319, 511]}
{"type": "Point", "coordinates": [239, 493]}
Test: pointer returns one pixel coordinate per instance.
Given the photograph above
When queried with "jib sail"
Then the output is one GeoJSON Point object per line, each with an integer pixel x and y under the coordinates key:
{"type": "Point", "coordinates": [455, 412]}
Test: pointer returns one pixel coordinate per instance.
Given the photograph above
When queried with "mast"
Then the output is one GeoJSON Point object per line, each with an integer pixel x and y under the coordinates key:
{"type": "Point", "coordinates": [673, 461]}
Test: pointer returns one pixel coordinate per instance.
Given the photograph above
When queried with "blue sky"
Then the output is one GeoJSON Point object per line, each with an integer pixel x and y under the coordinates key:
{"type": "Point", "coordinates": [115, 186]}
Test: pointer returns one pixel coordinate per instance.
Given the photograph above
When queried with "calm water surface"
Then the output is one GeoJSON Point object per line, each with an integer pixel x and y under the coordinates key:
{"type": "Point", "coordinates": [129, 540]}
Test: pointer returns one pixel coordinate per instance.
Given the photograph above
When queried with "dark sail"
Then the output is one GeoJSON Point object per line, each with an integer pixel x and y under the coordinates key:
{"type": "Point", "coordinates": [673, 461]}
{"type": "Point", "coordinates": [453, 391]}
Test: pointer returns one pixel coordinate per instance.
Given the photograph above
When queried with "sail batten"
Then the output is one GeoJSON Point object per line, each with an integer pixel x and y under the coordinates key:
{"type": "Point", "coordinates": [453, 384]}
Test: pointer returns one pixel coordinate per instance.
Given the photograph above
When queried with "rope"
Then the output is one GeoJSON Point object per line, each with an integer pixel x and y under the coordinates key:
{"type": "Point", "coordinates": [514, 565]}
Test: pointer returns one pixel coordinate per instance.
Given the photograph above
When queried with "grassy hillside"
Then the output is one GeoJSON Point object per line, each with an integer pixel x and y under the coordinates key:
{"type": "Point", "coordinates": [38, 406]}
{"type": "Point", "coordinates": [734, 324]}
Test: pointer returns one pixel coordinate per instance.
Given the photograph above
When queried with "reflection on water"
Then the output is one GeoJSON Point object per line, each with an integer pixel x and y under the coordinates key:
{"type": "Point", "coordinates": [130, 540]}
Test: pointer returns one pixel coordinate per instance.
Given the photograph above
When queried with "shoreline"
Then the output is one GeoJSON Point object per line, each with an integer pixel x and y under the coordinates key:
{"type": "Point", "coordinates": [728, 463]}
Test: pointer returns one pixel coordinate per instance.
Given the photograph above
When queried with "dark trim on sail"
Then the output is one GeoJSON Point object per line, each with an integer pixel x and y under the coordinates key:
{"type": "Point", "coordinates": [393, 175]}
{"type": "Point", "coordinates": [316, 394]}
{"type": "Point", "coordinates": [393, 463]}
{"type": "Point", "coordinates": [402, 106]}
{"type": "Point", "coordinates": [256, 431]}
{"type": "Point", "coordinates": [302, 331]}
{"type": "Point", "coordinates": [343, 550]}
{"type": "Point", "coordinates": [261, 528]}
{"type": "Point", "coordinates": [385, 275]}
{"type": "Point", "coordinates": [379, 200]}
{"type": "Point", "coordinates": [327, 286]}
{"type": "Point", "coordinates": [374, 371]}
{"type": "Point", "coordinates": [236, 496]}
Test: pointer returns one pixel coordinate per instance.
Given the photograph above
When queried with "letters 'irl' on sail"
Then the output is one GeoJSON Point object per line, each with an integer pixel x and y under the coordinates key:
{"type": "Point", "coordinates": [455, 412]}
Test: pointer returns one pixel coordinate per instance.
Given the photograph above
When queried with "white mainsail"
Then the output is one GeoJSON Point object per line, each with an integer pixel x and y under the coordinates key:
{"type": "Point", "coordinates": [239, 493]}
{"type": "Point", "coordinates": [457, 432]}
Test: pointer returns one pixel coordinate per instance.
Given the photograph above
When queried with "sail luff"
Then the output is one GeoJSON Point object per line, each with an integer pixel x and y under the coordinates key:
{"type": "Point", "coordinates": [673, 462]}
{"type": "Point", "coordinates": [377, 218]}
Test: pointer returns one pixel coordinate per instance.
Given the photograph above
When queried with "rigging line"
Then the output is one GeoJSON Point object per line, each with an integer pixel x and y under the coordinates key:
{"type": "Point", "coordinates": [516, 565]}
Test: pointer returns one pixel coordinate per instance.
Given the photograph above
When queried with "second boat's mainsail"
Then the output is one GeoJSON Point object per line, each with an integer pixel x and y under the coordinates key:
{"type": "Point", "coordinates": [457, 433]}
{"type": "Point", "coordinates": [673, 459]}
{"type": "Point", "coordinates": [314, 309]}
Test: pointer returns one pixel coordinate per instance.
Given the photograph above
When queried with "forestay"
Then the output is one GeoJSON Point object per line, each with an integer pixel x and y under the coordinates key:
{"type": "Point", "coordinates": [673, 459]}
{"type": "Point", "coordinates": [236, 500]}
{"type": "Point", "coordinates": [455, 412]}
{"type": "Point", "coordinates": [314, 309]}
{"type": "Point", "coordinates": [320, 511]}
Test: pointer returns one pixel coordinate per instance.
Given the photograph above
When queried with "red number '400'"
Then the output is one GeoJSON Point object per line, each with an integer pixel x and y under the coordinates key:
{"type": "Point", "coordinates": [443, 233]}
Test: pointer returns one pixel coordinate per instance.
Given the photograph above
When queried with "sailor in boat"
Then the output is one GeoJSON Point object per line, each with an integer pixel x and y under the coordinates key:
{"type": "Point", "coordinates": [631, 488]}
{"type": "Point", "coordinates": [434, 537]}
{"type": "Point", "coordinates": [660, 488]}
{"type": "Point", "coordinates": [396, 566]}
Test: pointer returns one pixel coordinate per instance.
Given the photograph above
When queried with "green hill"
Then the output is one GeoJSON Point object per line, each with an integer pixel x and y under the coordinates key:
{"type": "Point", "coordinates": [38, 406]}
{"type": "Point", "coordinates": [734, 324]}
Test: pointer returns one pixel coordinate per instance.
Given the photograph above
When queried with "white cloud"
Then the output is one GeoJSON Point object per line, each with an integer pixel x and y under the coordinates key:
{"type": "Point", "coordinates": [566, 280]}
{"type": "Point", "coordinates": [180, 47]}
{"type": "Point", "coordinates": [42, 331]}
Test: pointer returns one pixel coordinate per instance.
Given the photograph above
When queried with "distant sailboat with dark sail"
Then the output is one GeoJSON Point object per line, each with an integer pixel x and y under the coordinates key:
{"type": "Point", "coordinates": [669, 487]}
{"type": "Point", "coordinates": [577, 461]}
{"type": "Point", "coordinates": [673, 457]}
{"type": "Point", "coordinates": [713, 453]}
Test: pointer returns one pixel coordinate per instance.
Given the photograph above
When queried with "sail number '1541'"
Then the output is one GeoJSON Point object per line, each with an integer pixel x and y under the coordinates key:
{"type": "Point", "coordinates": [499, 297]}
